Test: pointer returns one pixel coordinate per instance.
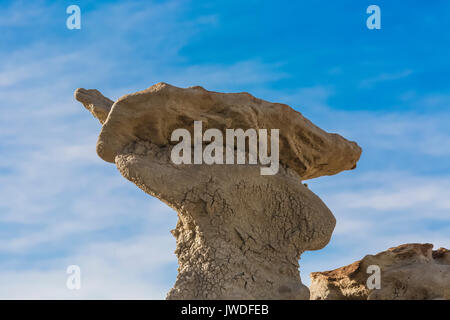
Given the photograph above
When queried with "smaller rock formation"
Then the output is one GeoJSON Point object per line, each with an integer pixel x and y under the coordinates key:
{"type": "Point", "coordinates": [408, 272]}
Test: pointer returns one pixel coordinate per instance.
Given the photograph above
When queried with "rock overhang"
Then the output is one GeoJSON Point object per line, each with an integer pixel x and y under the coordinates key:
{"type": "Point", "coordinates": [153, 114]}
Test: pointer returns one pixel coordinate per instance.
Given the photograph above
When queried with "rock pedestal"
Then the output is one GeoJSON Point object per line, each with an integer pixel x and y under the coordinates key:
{"type": "Point", "coordinates": [239, 234]}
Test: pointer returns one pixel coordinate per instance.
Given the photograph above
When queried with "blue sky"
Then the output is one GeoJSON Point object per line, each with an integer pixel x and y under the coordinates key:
{"type": "Point", "coordinates": [60, 204]}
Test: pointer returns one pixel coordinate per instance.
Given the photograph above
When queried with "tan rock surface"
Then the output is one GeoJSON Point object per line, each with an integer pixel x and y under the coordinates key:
{"type": "Point", "coordinates": [409, 271]}
{"type": "Point", "coordinates": [95, 102]}
{"type": "Point", "coordinates": [153, 114]}
{"type": "Point", "coordinates": [239, 234]}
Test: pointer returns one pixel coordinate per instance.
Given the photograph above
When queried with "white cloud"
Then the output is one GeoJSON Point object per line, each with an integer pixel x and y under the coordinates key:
{"type": "Point", "coordinates": [111, 270]}
{"type": "Point", "coordinates": [22, 13]}
{"type": "Point", "coordinates": [383, 77]}
{"type": "Point", "coordinates": [399, 191]}
{"type": "Point", "coordinates": [379, 210]}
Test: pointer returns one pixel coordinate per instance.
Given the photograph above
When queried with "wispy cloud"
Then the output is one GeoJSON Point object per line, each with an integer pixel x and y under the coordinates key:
{"type": "Point", "coordinates": [379, 210]}
{"type": "Point", "coordinates": [109, 270]}
{"type": "Point", "coordinates": [23, 13]}
{"type": "Point", "coordinates": [383, 77]}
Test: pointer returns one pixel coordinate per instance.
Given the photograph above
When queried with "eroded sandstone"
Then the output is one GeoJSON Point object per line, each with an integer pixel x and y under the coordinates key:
{"type": "Point", "coordinates": [240, 234]}
{"type": "Point", "coordinates": [409, 271]}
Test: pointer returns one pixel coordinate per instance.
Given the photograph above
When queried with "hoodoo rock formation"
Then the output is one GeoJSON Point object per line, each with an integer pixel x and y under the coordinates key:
{"type": "Point", "coordinates": [409, 271]}
{"type": "Point", "coordinates": [239, 234]}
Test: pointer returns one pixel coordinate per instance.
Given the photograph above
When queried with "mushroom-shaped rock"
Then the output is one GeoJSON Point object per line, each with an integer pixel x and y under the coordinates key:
{"type": "Point", "coordinates": [408, 272]}
{"type": "Point", "coordinates": [239, 234]}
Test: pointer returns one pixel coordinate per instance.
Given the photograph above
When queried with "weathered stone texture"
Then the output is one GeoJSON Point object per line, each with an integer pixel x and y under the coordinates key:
{"type": "Point", "coordinates": [239, 234]}
{"type": "Point", "coordinates": [409, 271]}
